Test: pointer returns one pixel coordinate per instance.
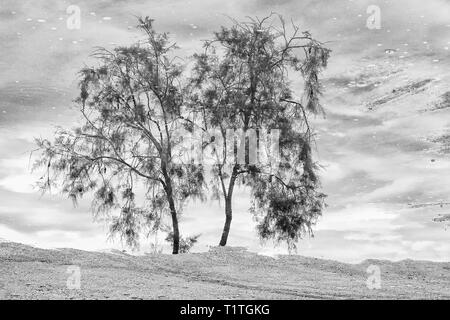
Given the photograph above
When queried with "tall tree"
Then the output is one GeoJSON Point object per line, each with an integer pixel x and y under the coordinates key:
{"type": "Point", "coordinates": [123, 152]}
{"type": "Point", "coordinates": [242, 81]}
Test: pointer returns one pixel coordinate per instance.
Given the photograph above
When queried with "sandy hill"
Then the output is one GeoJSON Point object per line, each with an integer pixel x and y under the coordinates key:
{"type": "Point", "coordinates": [222, 273]}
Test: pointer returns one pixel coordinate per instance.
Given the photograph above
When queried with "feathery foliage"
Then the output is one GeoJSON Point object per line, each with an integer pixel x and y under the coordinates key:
{"type": "Point", "coordinates": [242, 82]}
{"type": "Point", "coordinates": [123, 151]}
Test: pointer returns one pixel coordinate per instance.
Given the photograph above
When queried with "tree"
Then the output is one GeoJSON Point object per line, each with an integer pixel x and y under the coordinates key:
{"type": "Point", "coordinates": [123, 151]}
{"type": "Point", "coordinates": [242, 81]}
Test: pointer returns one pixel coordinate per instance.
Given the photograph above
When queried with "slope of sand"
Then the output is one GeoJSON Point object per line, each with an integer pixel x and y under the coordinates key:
{"type": "Point", "coordinates": [223, 273]}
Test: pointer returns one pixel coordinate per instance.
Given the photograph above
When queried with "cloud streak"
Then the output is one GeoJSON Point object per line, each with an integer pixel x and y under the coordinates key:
{"type": "Point", "coordinates": [376, 162]}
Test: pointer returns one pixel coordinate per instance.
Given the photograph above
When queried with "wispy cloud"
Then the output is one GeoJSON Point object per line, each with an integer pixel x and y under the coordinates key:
{"type": "Point", "coordinates": [375, 162]}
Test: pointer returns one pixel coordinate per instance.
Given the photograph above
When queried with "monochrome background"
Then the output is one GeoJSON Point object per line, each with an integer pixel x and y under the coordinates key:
{"type": "Point", "coordinates": [382, 166]}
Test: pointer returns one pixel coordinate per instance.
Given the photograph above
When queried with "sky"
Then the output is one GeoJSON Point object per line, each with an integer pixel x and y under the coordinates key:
{"type": "Point", "coordinates": [384, 163]}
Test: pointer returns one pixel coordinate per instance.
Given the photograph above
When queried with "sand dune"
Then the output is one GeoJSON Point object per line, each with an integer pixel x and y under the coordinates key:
{"type": "Point", "coordinates": [222, 273]}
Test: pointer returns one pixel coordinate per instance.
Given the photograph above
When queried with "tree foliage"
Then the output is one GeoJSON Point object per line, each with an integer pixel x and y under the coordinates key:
{"type": "Point", "coordinates": [135, 109]}
{"type": "Point", "coordinates": [123, 151]}
{"type": "Point", "coordinates": [243, 82]}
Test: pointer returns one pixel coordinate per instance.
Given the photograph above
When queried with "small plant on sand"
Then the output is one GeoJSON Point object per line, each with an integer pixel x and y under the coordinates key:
{"type": "Point", "coordinates": [185, 244]}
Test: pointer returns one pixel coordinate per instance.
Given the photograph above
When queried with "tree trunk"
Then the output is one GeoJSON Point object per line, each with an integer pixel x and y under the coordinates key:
{"type": "Point", "coordinates": [176, 231]}
{"type": "Point", "coordinates": [173, 212]}
{"type": "Point", "coordinates": [228, 218]}
{"type": "Point", "coordinates": [228, 207]}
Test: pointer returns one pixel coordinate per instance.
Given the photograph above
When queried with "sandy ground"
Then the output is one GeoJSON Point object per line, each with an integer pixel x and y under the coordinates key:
{"type": "Point", "coordinates": [222, 273]}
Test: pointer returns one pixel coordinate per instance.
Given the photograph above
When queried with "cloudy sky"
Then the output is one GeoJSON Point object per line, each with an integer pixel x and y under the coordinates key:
{"type": "Point", "coordinates": [385, 164]}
